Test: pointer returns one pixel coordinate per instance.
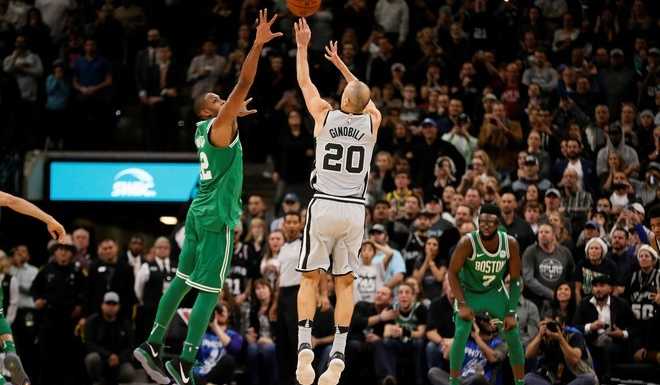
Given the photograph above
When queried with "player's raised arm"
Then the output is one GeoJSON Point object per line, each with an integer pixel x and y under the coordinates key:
{"type": "Point", "coordinates": [462, 252]}
{"type": "Point", "coordinates": [316, 106]}
{"type": "Point", "coordinates": [22, 206]}
{"type": "Point", "coordinates": [223, 129]}
{"type": "Point", "coordinates": [332, 54]}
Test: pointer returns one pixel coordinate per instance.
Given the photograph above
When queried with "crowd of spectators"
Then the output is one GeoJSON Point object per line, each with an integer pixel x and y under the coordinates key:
{"type": "Point", "coordinates": [548, 108]}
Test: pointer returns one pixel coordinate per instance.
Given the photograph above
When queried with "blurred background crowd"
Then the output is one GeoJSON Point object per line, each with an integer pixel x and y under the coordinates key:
{"type": "Point", "coordinates": [549, 108]}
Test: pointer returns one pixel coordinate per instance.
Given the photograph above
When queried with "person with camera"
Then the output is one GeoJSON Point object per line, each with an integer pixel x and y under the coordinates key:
{"type": "Point", "coordinates": [484, 352]}
{"type": "Point", "coordinates": [460, 137]}
{"type": "Point", "coordinates": [563, 355]}
{"type": "Point", "coordinates": [499, 132]}
{"type": "Point", "coordinates": [605, 320]}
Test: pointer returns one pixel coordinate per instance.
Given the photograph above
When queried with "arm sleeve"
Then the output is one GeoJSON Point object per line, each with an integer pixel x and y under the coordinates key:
{"type": "Point", "coordinates": [514, 294]}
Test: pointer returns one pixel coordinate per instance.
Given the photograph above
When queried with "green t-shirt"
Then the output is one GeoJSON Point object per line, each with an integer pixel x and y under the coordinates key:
{"type": "Point", "coordinates": [218, 202]}
{"type": "Point", "coordinates": [484, 271]}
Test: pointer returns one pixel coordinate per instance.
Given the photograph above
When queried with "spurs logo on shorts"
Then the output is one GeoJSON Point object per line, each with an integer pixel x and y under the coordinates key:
{"type": "Point", "coordinates": [335, 217]}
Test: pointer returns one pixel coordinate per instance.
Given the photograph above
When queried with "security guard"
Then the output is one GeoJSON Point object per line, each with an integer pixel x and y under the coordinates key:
{"type": "Point", "coordinates": [109, 273]}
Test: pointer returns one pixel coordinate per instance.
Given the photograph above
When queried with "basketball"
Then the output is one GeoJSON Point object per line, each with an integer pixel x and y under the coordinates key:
{"type": "Point", "coordinates": [303, 8]}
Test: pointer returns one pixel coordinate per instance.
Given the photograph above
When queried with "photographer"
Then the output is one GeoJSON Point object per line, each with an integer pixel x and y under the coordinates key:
{"type": "Point", "coordinates": [563, 355]}
{"type": "Point", "coordinates": [484, 352]}
{"type": "Point", "coordinates": [460, 137]}
{"type": "Point", "coordinates": [498, 132]}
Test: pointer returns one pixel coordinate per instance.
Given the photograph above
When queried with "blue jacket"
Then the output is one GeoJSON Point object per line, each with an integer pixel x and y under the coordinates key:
{"type": "Point", "coordinates": [589, 173]}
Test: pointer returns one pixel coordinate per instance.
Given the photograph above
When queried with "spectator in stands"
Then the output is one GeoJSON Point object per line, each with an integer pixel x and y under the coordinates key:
{"type": "Point", "coordinates": [398, 196]}
{"type": "Point", "coordinates": [616, 143]}
{"type": "Point", "coordinates": [290, 204]}
{"type": "Point", "coordinates": [59, 296]}
{"type": "Point", "coordinates": [545, 265]}
{"type": "Point", "coordinates": [564, 302]}
{"type": "Point", "coordinates": [541, 72]}
{"type": "Point", "coordinates": [605, 321]}
{"type": "Point", "coordinates": [261, 357]}
{"type": "Point", "coordinates": [205, 70]}
{"type": "Point", "coordinates": [371, 276]}
{"type": "Point", "coordinates": [515, 226]}
{"type": "Point", "coordinates": [381, 179]}
{"type": "Point", "coordinates": [593, 265]}
{"type": "Point", "coordinates": [430, 270]}
{"type": "Point", "coordinates": [440, 328]}
{"type": "Point", "coordinates": [151, 281]}
{"type": "Point", "coordinates": [109, 341]}
{"type": "Point", "coordinates": [647, 190]}
{"type": "Point", "coordinates": [459, 136]}
{"type": "Point", "coordinates": [642, 294]}
{"type": "Point", "coordinates": [134, 255]}
{"type": "Point", "coordinates": [145, 61]}
{"type": "Point", "coordinates": [530, 175]}
{"type": "Point", "coordinates": [367, 327]}
{"type": "Point", "coordinates": [25, 68]}
{"type": "Point", "coordinates": [396, 269]}
{"type": "Point", "coordinates": [270, 264]}
{"type": "Point", "coordinates": [294, 158]}
{"type": "Point", "coordinates": [92, 79]}
{"type": "Point", "coordinates": [586, 176]}
{"type": "Point", "coordinates": [596, 132]}
{"type": "Point", "coordinates": [563, 355]}
{"type": "Point", "coordinates": [621, 255]}
{"type": "Point", "coordinates": [534, 149]}
{"type": "Point", "coordinates": [484, 352]}
{"type": "Point", "coordinates": [618, 81]}
{"type": "Point", "coordinates": [289, 282]}
{"type": "Point", "coordinates": [108, 273]}
{"type": "Point", "coordinates": [428, 148]}
{"type": "Point", "coordinates": [532, 214]}
{"type": "Point", "coordinates": [24, 329]}
{"type": "Point", "coordinates": [498, 132]}
{"type": "Point", "coordinates": [58, 90]}
{"type": "Point", "coordinates": [575, 201]}
{"type": "Point", "coordinates": [218, 350]}
{"type": "Point", "coordinates": [82, 256]}
{"type": "Point", "coordinates": [402, 338]}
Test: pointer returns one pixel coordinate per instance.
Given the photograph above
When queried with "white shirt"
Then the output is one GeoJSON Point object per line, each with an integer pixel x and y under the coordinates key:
{"type": "Point", "coordinates": [24, 275]}
{"type": "Point", "coordinates": [289, 256]}
{"type": "Point", "coordinates": [135, 261]}
{"type": "Point", "coordinates": [143, 274]}
{"type": "Point", "coordinates": [604, 315]}
{"type": "Point", "coordinates": [577, 166]}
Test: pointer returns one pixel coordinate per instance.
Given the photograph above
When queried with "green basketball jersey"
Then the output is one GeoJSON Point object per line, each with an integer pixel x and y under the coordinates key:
{"type": "Point", "coordinates": [484, 271]}
{"type": "Point", "coordinates": [218, 202]}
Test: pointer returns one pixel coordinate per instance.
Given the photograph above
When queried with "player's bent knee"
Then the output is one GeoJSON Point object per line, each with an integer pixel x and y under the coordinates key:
{"type": "Point", "coordinates": [344, 280]}
{"type": "Point", "coordinates": [314, 276]}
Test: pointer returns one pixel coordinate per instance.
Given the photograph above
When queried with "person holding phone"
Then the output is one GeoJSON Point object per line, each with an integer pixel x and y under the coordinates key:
{"type": "Point", "coordinates": [562, 353]}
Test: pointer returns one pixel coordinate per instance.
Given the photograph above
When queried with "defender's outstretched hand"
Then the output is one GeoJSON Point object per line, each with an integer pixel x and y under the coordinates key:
{"type": "Point", "coordinates": [264, 34]}
{"type": "Point", "coordinates": [244, 111]}
{"type": "Point", "coordinates": [56, 230]}
{"type": "Point", "coordinates": [303, 33]}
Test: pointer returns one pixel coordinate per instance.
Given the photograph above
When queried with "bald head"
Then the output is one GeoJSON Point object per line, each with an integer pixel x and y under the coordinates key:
{"type": "Point", "coordinates": [355, 97]}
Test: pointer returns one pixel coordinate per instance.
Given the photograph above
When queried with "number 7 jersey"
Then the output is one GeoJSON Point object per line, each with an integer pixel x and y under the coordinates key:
{"type": "Point", "coordinates": [218, 202]}
{"type": "Point", "coordinates": [343, 155]}
{"type": "Point", "coordinates": [484, 271]}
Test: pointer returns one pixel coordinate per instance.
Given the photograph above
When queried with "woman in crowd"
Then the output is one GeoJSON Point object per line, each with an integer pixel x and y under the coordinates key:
{"type": "Point", "coordinates": [261, 358]}
{"type": "Point", "coordinates": [270, 265]}
{"type": "Point", "coordinates": [563, 301]}
{"type": "Point", "coordinates": [594, 264]}
{"type": "Point", "coordinates": [256, 239]}
{"type": "Point", "coordinates": [430, 272]}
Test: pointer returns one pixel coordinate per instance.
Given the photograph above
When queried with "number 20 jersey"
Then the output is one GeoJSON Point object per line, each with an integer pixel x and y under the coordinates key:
{"type": "Point", "coordinates": [343, 155]}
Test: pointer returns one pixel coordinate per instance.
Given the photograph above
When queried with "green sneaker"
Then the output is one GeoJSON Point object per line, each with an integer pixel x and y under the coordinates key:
{"type": "Point", "coordinates": [181, 371]}
{"type": "Point", "coordinates": [149, 356]}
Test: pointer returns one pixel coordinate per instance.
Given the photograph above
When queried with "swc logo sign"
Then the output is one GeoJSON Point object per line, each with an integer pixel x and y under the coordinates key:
{"type": "Point", "coordinates": [134, 183]}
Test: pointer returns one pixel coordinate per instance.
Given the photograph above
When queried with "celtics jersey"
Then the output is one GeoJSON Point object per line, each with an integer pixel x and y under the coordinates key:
{"type": "Point", "coordinates": [218, 201]}
{"type": "Point", "coordinates": [484, 271]}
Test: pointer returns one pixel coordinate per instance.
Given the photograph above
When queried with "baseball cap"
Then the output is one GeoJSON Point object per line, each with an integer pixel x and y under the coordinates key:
{"type": "Point", "coordinates": [654, 51]}
{"type": "Point", "coordinates": [591, 224]}
{"type": "Point", "coordinates": [66, 244]}
{"type": "Point", "coordinates": [429, 122]}
{"type": "Point", "coordinates": [531, 159]}
{"type": "Point", "coordinates": [637, 207]}
{"type": "Point", "coordinates": [291, 198]}
{"type": "Point", "coordinates": [600, 279]}
{"type": "Point", "coordinates": [398, 67]}
{"type": "Point", "coordinates": [377, 228]}
{"type": "Point", "coordinates": [426, 212]}
{"type": "Point", "coordinates": [553, 191]}
{"type": "Point", "coordinates": [616, 51]}
{"type": "Point", "coordinates": [111, 297]}
{"type": "Point", "coordinates": [653, 166]}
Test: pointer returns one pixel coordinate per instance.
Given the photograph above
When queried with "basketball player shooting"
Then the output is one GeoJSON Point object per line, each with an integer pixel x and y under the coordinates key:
{"type": "Point", "coordinates": [476, 275]}
{"type": "Point", "coordinates": [334, 228]}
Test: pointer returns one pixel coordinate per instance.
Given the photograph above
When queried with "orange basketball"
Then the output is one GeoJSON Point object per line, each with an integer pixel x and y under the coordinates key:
{"type": "Point", "coordinates": [303, 8]}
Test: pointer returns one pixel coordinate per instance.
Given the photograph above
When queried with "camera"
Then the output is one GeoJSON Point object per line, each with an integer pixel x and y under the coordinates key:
{"type": "Point", "coordinates": [553, 326]}
{"type": "Point", "coordinates": [463, 119]}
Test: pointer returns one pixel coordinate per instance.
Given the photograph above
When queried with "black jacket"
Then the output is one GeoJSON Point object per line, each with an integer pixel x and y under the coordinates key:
{"type": "Point", "coordinates": [620, 314]}
{"type": "Point", "coordinates": [109, 337]}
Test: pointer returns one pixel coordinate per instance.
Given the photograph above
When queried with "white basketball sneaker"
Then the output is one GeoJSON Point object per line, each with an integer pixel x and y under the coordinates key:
{"type": "Point", "coordinates": [333, 373]}
{"type": "Point", "coordinates": [304, 371]}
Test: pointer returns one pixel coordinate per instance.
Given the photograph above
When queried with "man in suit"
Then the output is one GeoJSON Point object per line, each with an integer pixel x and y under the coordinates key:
{"type": "Point", "coordinates": [583, 167]}
{"type": "Point", "coordinates": [605, 320]}
{"type": "Point", "coordinates": [145, 60]}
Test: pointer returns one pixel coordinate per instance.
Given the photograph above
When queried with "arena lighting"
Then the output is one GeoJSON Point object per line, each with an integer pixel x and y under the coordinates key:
{"type": "Point", "coordinates": [167, 220]}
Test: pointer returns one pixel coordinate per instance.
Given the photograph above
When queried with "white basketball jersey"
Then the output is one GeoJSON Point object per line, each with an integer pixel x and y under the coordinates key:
{"type": "Point", "coordinates": [343, 155]}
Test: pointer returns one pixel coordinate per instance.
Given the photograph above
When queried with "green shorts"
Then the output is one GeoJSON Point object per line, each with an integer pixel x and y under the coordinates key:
{"type": "Point", "coordinates": [205, 257]}
{"type": "Point", "coordinates": [495, 302]}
